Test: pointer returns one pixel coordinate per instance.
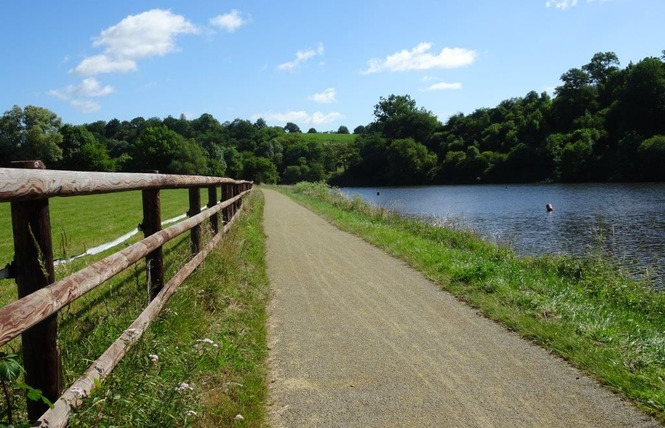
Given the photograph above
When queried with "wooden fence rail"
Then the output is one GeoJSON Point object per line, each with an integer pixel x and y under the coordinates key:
{"type": "Point", "coordinates": [33, 315]}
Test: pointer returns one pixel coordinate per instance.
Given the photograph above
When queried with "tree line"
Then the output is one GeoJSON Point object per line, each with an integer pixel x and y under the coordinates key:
{"type": "Point", "coordinates": [604, 123]}
{"type": "Point", "coordinates": [202, 146]}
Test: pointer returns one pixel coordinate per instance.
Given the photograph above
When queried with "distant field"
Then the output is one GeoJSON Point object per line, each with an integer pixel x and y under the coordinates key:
{"type": "Point", "coordinates": [330, 138]}
{"type": "Point", "coordinates": [82, 222]}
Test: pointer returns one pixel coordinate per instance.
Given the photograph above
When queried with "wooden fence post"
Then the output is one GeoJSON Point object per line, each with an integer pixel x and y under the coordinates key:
{"type": "Point", "coordinates": [237, 191]}
{"type": "Point", "coordinates": [152, 223]}
{"type": "Point", "coordinates": [33, 257]}
{"type": "Point", "coordinates": [226, 195]}
{"type": "Point", "coordinates": [212, 201]}
{"type": "Point", "coordinates": [194, 209]}
{"type": "Point", "coordinates": [234, 192]}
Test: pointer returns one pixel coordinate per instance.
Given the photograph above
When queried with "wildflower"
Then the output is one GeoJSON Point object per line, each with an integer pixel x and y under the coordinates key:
{"type": "Point", "coordinates": [206, 340]}
{"type": "Point", "coordinates": [182, 387]}
{"type": "Point", "coordinates": [190, 413]}
{"type": "Point", "coordinates": [153, 357]}
{"type": "Point", "coordinates": [239, 417]}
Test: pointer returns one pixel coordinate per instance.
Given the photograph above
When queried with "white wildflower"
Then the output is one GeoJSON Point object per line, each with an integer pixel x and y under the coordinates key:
{"type": "Point", "coordinates": [206, 340]}
{"type": "Point", "coordinates": [190, 413]}
{"type": "Point", "coordinates": [153, 357]}
{"type": "Point", "coordinates": [239, 417]}
{"type": "Point", "coordinates": [183, 386]}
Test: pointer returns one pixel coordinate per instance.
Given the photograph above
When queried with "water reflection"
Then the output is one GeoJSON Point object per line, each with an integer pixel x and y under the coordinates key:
{"type": "Point", "coordinates": [626, 221]}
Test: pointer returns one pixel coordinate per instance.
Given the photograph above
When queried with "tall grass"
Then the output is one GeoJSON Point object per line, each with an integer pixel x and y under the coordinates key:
{"type": "Point", "coordinates": [582, 309]}
{"type": "Point", "coordinates": [210, 335]}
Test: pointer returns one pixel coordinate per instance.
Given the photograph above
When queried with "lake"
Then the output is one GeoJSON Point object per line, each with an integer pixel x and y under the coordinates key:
{"type": "Point", "coordinates": [624, 220]}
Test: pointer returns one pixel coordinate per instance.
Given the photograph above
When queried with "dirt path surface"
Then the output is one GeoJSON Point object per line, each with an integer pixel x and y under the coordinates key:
{"type": "Point", "coordinates": [359, 339]}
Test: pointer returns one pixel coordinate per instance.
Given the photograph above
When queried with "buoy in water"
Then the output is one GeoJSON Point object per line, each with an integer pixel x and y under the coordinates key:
{"type": "Point", "coordinates": [549, 208]}
{"type": "Point", "coordinates": [378, 193]}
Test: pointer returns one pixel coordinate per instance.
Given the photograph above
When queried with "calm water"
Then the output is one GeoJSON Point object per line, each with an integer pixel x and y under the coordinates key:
{"type": "Point", "coordinates": [625, 220]}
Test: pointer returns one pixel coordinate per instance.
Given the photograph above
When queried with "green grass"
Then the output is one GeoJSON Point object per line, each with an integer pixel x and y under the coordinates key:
{"type": "Point", "coordinates": [224, 301]}
{"type": "Point", "coordinates": [583, 310]}
{"type": "Point", "coordinates": [82, 222]}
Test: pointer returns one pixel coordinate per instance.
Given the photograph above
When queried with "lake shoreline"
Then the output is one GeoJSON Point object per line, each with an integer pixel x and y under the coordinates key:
{"type": "Point", "coordinates": [623, 221]}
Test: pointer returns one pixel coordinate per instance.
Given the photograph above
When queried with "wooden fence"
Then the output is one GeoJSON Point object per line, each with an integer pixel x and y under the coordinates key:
{"type": "Point", "coordinates": [28, 188]}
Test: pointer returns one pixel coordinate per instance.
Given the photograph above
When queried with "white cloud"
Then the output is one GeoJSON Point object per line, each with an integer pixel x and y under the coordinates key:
{"type": "Point", "coordinates": [443, 86]}
{"type": "Point", "coordinates": [301, 56]}
{"type": "Point", "coordinates": [147, 34]}
{"type": "Point", "coordinates": [301, 118]}
{"type": "Point", "coordinates": [89, 87]}
{"type": "Point", "coordinates": [80, 95]}
{"type": "Point", "coordinates": [99, 64]}
{"type": "Point", "coordinates": [561, 4]}
{"type": "Point", "coordinates": [228, 22]}
{"type": "Point", "coordinates": [325, 97]}
{"type": "Point", "coordinates": [420, 58]}
{"type": "Point", "coordinates": [565, 4]}
{"type": "Point", "coordinates": [86, 106]}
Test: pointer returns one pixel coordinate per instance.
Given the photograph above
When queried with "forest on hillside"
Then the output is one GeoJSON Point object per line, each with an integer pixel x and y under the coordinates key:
{"type": "Point", "coordinates": [604, 123]}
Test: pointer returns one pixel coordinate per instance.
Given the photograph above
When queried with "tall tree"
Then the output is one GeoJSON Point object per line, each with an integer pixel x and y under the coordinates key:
{"type": "Point", "coordinates": [292, 128]}
{"type": "Point", "coordinates": [398, 117]}
{"type": "Point", "coordinates": [30, 133]}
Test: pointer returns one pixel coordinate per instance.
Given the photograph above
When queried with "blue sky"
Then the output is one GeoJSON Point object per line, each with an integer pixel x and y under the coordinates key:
{"type": "Point", "coordinates": [317, 63]}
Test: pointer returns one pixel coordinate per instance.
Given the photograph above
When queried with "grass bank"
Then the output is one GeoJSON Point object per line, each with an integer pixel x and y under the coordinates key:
{"type": "Point", "coordinates": [210, 336]}
{"type": "Point", "coordinates": [580, 309]}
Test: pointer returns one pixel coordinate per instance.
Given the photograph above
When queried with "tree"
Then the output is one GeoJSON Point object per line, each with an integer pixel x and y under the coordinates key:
{"type": "Point", "coordinates": [601, 67]}
{"type": "Point", "coordinates": [244, 135]}
{"type": "Point", "coordinates": [259, 170]}
{"type": "Point", "coordinates": [30, 133]}
{"type": "Point", "coordinates": [651, 156]}
{"type": "Point", "coordinates": [641, 99]}
{"type": "Point", "coordinates": [359, 129]}
{"type": "Point", "coordinates": [343, 130]}
{"type": "Point", "coordinates": [397, 117]}
{"type": "Point", "coordinates": [155, 149]}
{"type": "Point", "coordinates": [292, 128]}
{"type": "Point", "coordinates": [190, 160]}
{"type": "Point", "coordinates": [81, 151]}
{"type": "Point", "coordinates": [409, 162]}
{"type": "Point", "coordinates": [260, 123]}
{"type": "Point", "coordinates": [311, 131]}
{"type": "Point", "coordinates": [11, 134]}
{"type": "Point", "coordinates": [573, 98]}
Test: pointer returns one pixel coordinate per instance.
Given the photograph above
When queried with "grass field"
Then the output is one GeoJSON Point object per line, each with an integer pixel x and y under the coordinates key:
{"type": "Point", "coordinates": [82, 222]}
{"type": "Point", "coordinates": [223, 303]}
{"type": "Point", "coordinates": [580, 309]}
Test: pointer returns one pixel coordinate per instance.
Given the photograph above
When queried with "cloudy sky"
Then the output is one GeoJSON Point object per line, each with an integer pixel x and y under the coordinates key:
{"type": "Point", "coordinates": [318, 63]}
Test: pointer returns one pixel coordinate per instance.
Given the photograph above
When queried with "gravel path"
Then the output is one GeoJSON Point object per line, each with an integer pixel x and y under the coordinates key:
{"type": "Point", "coordinates": [359, 339]}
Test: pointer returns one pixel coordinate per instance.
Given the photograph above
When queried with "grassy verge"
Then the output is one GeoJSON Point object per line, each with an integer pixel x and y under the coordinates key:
{"type": "Point", "coordinates": [210, 336]}
{"type": "Point", "coordinates": [580, 309]}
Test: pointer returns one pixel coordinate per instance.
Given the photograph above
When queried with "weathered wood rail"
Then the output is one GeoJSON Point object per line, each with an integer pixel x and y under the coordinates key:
{"type": "Point", "coordinates": [33, 315]}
